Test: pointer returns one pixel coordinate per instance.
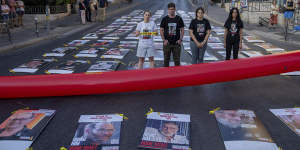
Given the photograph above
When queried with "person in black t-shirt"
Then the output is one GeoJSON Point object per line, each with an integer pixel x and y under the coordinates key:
{"type": "Point", "coordinates": [82, 11]}
{"type": "Point", "coordinates": [172, 31]}
{"type": "Point", "coordinates": [87, 10]}
{"type": "Point", "coordinates": [103, 4]}
{"type": "Point", "coordinates": [233, 34]}
{"type": "Point", "coordinates": [199, 31]}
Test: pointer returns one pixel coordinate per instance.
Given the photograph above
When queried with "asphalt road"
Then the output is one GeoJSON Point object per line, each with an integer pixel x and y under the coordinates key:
{"type": "Point", "coordinates": [259, 95]}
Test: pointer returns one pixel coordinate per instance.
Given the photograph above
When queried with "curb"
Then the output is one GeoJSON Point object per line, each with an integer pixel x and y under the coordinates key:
{"type": "Point", "coordinates": [52, 36]}
{"type": "Point", "coordinates": [259, 34]}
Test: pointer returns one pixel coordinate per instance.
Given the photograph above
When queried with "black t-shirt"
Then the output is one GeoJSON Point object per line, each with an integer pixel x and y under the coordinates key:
{"type": "Point", "coordinates": [102, 3]}
{"type": "Point", "coordinates": [171, 28]}
{"type": "Point", "coordinates": [200, 28]}
{"type": "Point", "coordinates": [290, 6]}
{"type": "Point", "coordinates": [234, 28]}
{"type": "Point", "coordinates": [81, 6]}
{"type": "Point", "coordinates": [86, 3]}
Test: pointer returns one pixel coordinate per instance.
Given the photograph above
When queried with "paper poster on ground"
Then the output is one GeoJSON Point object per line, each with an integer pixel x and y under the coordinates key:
{"type": "Point", "coordinates": [166, 131]}
{"type": "Point", "coordinates": [22, 128]}
{"type": "Point", "coordinates": [97, 132]}
{"type": "Point", "coordinates": [242, 130]}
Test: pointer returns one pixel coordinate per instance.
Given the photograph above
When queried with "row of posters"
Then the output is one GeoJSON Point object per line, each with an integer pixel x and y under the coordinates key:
{"type": "Point", "coordinates": [240, 129]}
{"type": "Point", "coordinates": [85, 50]}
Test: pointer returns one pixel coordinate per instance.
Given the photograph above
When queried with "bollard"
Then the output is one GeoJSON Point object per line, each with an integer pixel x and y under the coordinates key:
{"type": "Point", "coordinates": [36, 26]}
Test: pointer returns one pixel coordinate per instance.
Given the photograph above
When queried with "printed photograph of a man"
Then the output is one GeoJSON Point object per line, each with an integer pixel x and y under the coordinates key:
{"type": "Point", "coordinates": [20, 125]}
{"type": "Point", "coordinates": [166, 132]}
{"type": "Point", "coordinates": [99, 133]}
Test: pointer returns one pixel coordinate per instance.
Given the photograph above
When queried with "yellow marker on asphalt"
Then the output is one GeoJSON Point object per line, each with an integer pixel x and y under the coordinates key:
{"type": "Point", "coordinates": [213, 111]}
{"type": "Point", "coordinates": [63, 148]}
{"type": "Point", "coordinates": [124, 117]}
{"type": "Point", "coordinates": [149, 112]}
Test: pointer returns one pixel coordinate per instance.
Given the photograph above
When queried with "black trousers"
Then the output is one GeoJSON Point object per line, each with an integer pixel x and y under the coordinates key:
{"type": "Point", "coordinates": [88, 14]}
{"type": "Point", "coordinates": [232, 45]}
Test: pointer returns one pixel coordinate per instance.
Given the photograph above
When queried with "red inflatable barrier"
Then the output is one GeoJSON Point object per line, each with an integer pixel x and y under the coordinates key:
{"type": "Point", "coordinates": [149, 79]}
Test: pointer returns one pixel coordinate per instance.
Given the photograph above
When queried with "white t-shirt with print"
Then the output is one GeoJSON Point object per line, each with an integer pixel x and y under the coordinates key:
{"type": "Point", "coordinates": [5, 8]}
{"type": "Point", "coordinates": [144, 28]}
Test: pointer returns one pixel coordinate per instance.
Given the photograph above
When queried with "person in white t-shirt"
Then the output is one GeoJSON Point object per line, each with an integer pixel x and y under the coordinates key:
{"type": "Point", "coordinates": [145, 31]}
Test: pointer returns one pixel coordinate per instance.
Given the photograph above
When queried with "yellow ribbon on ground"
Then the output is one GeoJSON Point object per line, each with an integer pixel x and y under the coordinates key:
{"type": "Point", "coordinates": [213, 111]}
{"type": "Point", "coordinates": [149, 112]}
{"type": "Point", "coordinates": [124, 117]}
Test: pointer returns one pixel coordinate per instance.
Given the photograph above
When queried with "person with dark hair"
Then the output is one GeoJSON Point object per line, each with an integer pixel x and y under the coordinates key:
{"type": "Point", "coordinates": [82, 11]}
{"type": "Point", "coordinates": [12, 14]}
{"type": "Point", "coordinates": [94, 7]}
{"type": "Point", "coordinates": [199, 32]}
{"type": "Point", "coordinates": [289, 12]}
{"type": "Point", "coordinates": [145, 31]}
{"type": "Point", "coordinates": [172, 31]}
{"type": "Point", "coordinates": [5, 11]}
{"type": "Point", "coordinates": [87, 10]}
{"type": "Point", "coordinates": [103, 4]}
{"type": "Point", "coordinates": [20, 11]}
{"type": "Point", "coordinates": [233, 33]}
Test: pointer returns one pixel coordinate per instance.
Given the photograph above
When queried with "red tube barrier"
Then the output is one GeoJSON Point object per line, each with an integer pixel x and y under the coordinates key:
{"type": "Point", "coordinates": [149, 79]}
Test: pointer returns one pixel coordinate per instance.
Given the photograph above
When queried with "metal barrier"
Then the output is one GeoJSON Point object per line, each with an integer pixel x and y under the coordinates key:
{"type": "Point", "coordinates": [254, 5]}
{"type": "Point", "coordinates": [42, 9]}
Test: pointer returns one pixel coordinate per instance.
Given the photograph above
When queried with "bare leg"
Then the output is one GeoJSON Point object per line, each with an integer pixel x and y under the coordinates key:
{"type": "Point", "coordinates": [21, 19]}
{"type": "Point", "coordinates": [141, 63]}
{"type": "Point", "coordinates": [151, 59]}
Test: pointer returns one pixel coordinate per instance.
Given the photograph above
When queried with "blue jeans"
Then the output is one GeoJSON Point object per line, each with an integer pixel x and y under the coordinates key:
{"type": "Point", "coordinates": [5, 18]}
{"type": "Point", "coordinates": [197, 53]}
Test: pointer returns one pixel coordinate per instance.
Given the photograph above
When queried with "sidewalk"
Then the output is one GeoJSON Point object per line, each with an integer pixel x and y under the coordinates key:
{"type": "Point", "coordinates": [24, 36]}
{"type": "Point", "coordinates": [218, 16]}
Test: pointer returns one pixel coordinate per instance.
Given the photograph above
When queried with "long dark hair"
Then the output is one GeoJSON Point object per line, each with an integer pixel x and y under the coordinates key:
{"type": "Point", "coordinates": [238, 17]}
{"type": "Point", "coordinates": [198, 9]}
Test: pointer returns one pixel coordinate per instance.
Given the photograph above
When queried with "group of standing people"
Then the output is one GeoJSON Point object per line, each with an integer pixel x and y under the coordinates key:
{"type": "Point", "coordinates": [12, 12]}
{"type": "Point", "coordinates": [92, 10]}
{"type": "Point", "coordinates": [172, 32]}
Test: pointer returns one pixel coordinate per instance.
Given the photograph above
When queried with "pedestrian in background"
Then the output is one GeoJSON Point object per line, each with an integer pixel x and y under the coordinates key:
{"type": "Point", "coordinates": [199, 32]}
{"type": "Point", "coordinates": [172, 31]}
{"type": "Point", "coordinates": [5, 11]}
{"type": "Point", "coordinates": [82, 11]}
{"type": "Point", "coordinates": [289, 11]}
{"type": "Point", "coordinates": [20, 11]}
{"type": "Point", "coordinates": [87, 10]}
{"type": "Point", "coordinates": [12, 14]}
{"type": "Point", "coordinates": [145, 31]}
{"type": "Point", "coordinates": [233, 33]}
{"type": "Point", "coordinates": [274, 13]}
{"type": "Point", "coordinates": [103, 4]}
{"type": "Point", "coordinates": [94, 7]}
